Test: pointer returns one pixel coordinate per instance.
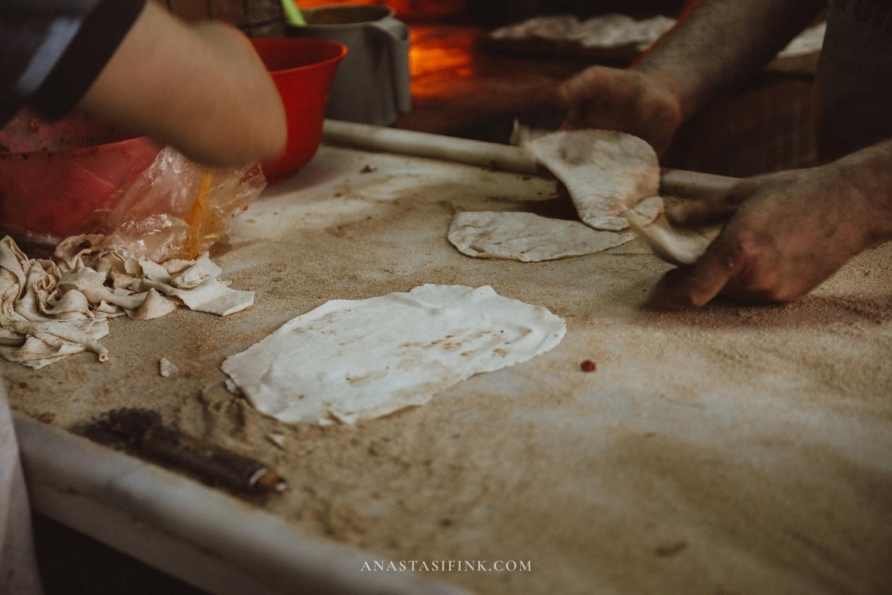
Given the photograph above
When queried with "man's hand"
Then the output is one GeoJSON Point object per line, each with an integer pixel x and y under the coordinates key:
{"type": "Point", "coordinates": [623, 100]}
{"type": "Point", "coordinates": [787, 233]}
{"type": "Point", "coordinates": [715, 46]}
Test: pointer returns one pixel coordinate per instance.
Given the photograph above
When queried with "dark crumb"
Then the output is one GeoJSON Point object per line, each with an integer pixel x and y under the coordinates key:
{"type": "Point", "coordinates": [272, 481]}
{"type": "Point", "coordinates": [367, 169]}
{"type": "Point", "coordinates": [338, 195]}
{"type": "Point", "coordinates": [47, 417]}
{"type": "Point", "coordinates": [671, 549]}
{"type": "Point", "coordinates": [446, 523]}
{"type": "Point", "coordinates": [588, 366]}
{"type": "Point", "coordinates": [23, 385]}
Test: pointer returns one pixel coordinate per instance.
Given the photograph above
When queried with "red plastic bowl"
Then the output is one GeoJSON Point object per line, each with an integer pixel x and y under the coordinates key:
{"type": "Point", "coordinates": [302, 70]}
{"type": "Point", "coordinates": [63, 193]}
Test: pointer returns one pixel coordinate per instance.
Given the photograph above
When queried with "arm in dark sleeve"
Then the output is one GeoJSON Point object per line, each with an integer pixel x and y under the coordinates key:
{"type": "Point", "coordinates": [53, 50]}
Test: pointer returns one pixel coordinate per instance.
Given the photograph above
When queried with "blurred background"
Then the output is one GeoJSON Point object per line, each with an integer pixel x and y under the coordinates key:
{"type": "Point", "coordinates": [461, 87]}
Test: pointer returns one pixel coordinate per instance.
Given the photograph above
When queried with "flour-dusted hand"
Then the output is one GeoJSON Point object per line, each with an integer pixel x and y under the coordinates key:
{"type": "Point", "coordinates": [787, 232]}
{"type": "Point", "coordinates": [716, 45]}
{"type": "Point", "coordinates": [623, 100]}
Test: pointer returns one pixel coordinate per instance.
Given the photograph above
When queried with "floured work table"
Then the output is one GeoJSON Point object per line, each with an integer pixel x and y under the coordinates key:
{"type": "Point", "coordinates": [731, 449]}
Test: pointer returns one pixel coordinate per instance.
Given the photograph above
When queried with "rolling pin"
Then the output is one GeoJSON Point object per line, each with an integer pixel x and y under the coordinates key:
{"type": "Point", "coordinates": [507, 158]}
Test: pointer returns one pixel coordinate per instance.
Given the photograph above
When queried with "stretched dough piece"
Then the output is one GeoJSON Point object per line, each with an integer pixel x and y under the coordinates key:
{"type": "Point", "coordinates": [46, 342]}
{"type": "Point", "coordinates": [12, 259]}
{"type": "Point", "coordinates": [668, 244]}
{"type": "Point", "coordinates": [605, 172]}
{"type": "Point", "coordinates": [215, 298]}
{"type": "Point", "coordinates": [353, 360]}
{"type": "Point", "coordinates": [527, 237]}
{"type": "Point", "coordinates": [166, 368]}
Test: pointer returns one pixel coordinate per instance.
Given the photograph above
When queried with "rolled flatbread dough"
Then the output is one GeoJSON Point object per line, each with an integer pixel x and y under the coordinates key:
{"type": "Point", "coordinates": [527, 237]}
{"type": "Point", "coordinates": [354, 360]}
{"type": "Point", "coordinates": [605, 172]}
{"type": "Point", "coordinates": [668, 244]}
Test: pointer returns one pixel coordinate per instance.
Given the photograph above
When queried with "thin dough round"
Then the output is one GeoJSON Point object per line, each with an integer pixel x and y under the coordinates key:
{"type": "Point", "coordinates": [605, 172]}
{"type": "Point", "coordinates": [527, 237]}
{"type": "Point", "coordinates": [349, 360]}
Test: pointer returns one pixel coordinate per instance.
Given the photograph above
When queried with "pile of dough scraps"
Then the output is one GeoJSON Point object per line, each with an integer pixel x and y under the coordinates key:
{"type": "Point", "coordinates": [53, 308]}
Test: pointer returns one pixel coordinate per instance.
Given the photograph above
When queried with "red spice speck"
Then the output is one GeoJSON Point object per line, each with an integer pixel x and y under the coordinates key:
{"type": "Point", "coordinates": [588, 366]}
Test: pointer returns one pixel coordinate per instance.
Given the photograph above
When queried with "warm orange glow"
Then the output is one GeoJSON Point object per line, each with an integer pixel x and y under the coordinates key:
{"type": "Point", "coordinates": [436, 60]}
{"type": "Point", "coordinates": [427, 61]}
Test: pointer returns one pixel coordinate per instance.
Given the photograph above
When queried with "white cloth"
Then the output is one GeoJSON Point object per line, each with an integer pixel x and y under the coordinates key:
{"type": "Point", "coordinates": [18, 567]}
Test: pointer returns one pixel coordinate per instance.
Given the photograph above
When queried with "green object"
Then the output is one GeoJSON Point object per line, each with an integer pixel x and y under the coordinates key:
{"type": "Point", "coordinates": [292, 13]}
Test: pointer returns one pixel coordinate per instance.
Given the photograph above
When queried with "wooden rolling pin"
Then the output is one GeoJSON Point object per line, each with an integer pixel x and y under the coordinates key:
{"type": "Point", "coordinates": [691, 184]}
{"type": "Point", "coordinates": [500, 157]}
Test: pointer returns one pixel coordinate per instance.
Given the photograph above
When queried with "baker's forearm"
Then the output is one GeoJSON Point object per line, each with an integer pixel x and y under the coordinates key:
{"type": "Point", "coordinates": [719, 43]}
{"type": "Point", "coordinates": [200, 88]}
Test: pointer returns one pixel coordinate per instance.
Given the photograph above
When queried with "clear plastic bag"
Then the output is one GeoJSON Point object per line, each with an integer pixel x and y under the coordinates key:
{"type": "Point", "coordinates": [177, 208]}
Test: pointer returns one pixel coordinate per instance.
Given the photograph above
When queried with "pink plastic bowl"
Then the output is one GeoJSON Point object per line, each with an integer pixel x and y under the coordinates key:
{"type": "Point", "coordinates": [302, 70]}
{"type": "Point", "coordinates": [63, 193]}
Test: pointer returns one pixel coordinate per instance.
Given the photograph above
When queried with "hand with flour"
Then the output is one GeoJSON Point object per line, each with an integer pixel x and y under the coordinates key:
{"type": "Point", "coordinates": [787, 232]}
{"type": "Point", "coordinates": [684, 69]}
{"type": "Point", "coordinates": [623, 100]}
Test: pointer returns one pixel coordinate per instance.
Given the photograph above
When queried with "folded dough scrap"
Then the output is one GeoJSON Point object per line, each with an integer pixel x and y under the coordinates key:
{"type": "Point", "coordinates": [350, 360]}
{"type": "Point", "coordinates": [53, 308]}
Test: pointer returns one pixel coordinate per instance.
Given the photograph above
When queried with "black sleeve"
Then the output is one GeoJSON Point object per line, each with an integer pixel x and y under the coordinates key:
{"type": "Point", "coordinates": [53, 50]}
